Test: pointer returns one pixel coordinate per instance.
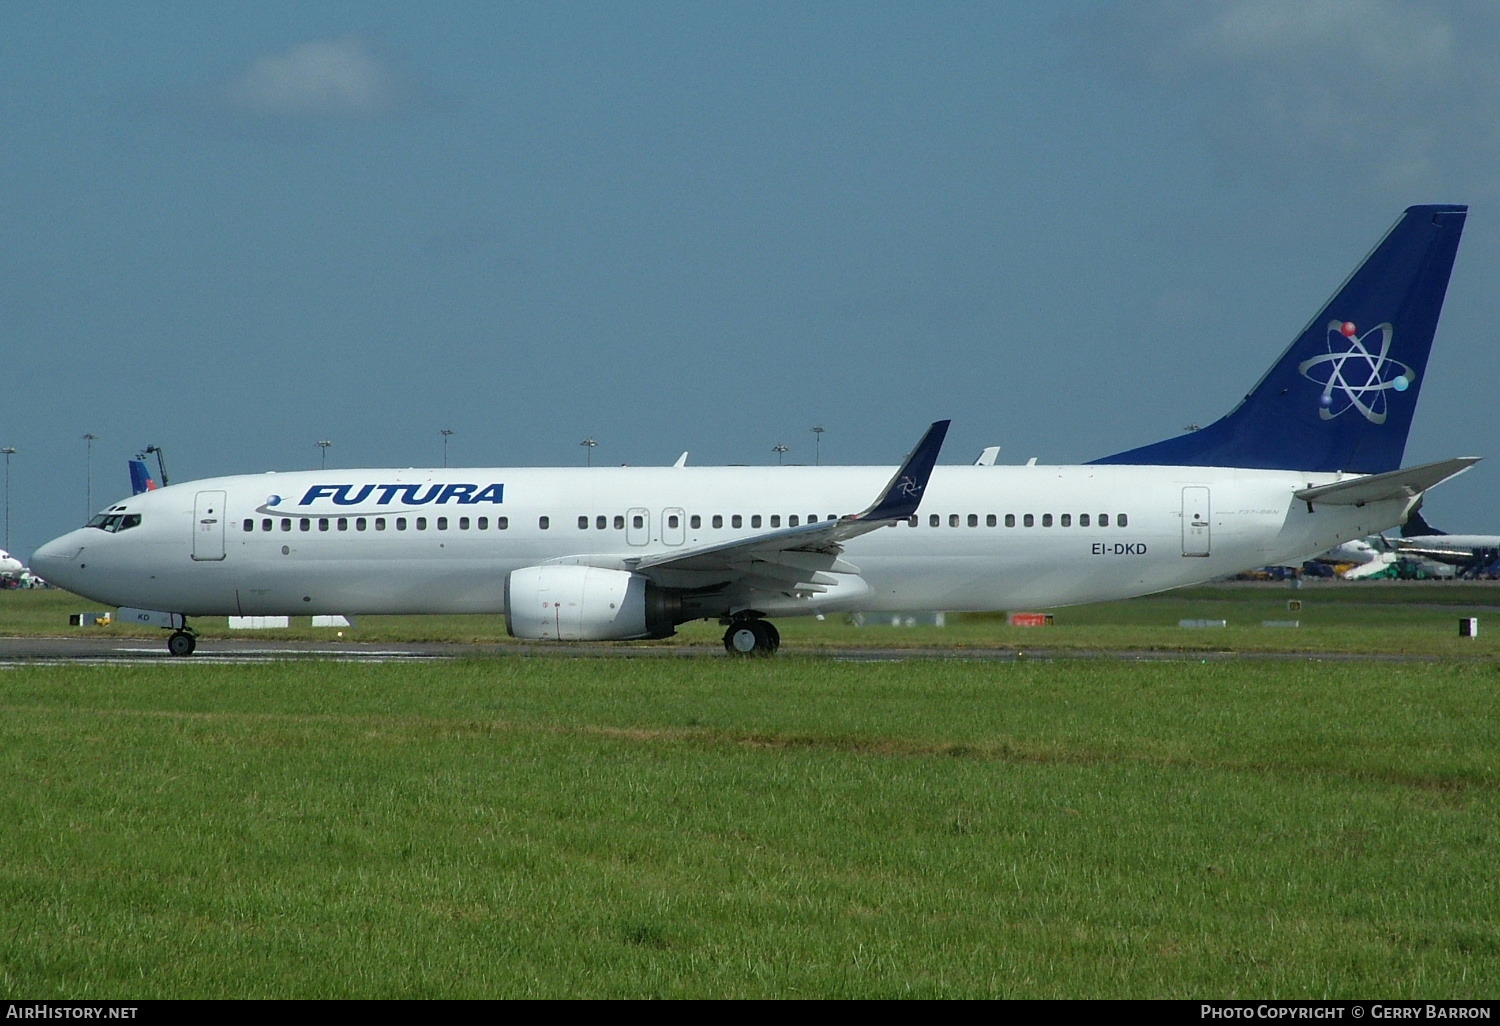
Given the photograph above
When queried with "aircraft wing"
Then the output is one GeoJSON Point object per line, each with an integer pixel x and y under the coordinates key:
{"type": "Point", "coordinates": [793, 559]}
{"type": "Point", "coordinates": [1456, 557]}
{"type": "Point", "coordinates": [1397, 484]}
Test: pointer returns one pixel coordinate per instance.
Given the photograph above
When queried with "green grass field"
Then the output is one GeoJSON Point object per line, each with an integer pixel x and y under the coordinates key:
{"type": "Point", "coordinates": [795, 827]}
{"type": "Point", "coordinates": [1412, 618]}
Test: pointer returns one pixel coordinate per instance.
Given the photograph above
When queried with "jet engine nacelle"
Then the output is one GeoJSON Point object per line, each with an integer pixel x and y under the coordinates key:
{"type": "Point", "coordinates": [587, 603]}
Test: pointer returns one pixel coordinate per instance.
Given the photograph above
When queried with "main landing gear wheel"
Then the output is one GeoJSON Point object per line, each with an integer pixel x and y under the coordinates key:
{"type": "Point", "coordinates": [181, 643]}
{"type": "Point", "coordinates": [752, 638]}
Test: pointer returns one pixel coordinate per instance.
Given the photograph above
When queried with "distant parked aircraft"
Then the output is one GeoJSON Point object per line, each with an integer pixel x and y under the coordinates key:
{"type": "Point", "coordinates": [10, 566]}
{"type": "Point", "coordinates": [1471, 552]}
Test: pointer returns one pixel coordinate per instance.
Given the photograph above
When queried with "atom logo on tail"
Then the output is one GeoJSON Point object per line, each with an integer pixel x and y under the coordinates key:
{"type": "Point", "coordinates": [1356, 378]}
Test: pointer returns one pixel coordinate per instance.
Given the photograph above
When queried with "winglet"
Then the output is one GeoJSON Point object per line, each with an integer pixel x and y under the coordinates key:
{"type": "Point", "coordinates": [904, 493]}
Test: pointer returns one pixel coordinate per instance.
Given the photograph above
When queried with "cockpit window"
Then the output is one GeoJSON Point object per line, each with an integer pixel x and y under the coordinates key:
{"type": "Point", "coordinates": [115, 522]}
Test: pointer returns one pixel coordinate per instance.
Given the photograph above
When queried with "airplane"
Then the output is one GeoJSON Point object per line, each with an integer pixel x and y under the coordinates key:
{"type": "Point", "coordinates": [1309, 459]}
{"type": "Point", "coordinates": [10, 566]}
{"type": "Point", "coordinates": [1472, 552]}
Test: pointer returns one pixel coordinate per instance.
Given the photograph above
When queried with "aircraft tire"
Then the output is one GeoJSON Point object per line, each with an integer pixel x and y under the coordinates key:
{"type": "Point", "coordinates": [751, 638]}
{"type": "Point", "coordinates": [181, 643]}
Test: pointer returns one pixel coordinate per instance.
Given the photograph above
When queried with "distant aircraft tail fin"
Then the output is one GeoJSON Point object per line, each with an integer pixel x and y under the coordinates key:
{"type": "Point", "coordinates": [1416, 525]}
{"type": "Point", "coordinates": [140, 478]}
{"type": "Point", "coordinates": [1342, 395]}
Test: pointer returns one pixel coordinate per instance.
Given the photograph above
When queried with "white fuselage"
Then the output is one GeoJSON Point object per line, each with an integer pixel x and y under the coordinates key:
{"type": "Point", "coordinates": [985, 537]}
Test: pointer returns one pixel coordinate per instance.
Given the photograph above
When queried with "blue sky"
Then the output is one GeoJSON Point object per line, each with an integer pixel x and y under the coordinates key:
{"type": "Point", "coordinates": [232, 230]}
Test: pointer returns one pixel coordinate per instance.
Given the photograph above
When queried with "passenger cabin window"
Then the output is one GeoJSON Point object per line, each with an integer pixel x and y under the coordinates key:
{"type": "Point", "coordinates": [638, 522]}
{"type": "Point", "coordinates": [755, 520]}
{"type": "Point", "coordinates": [1010, 520]}
{"type": "Point", "coordinates": [952, 519]}
{"type": "Point", "coordinates": [583, 523]}
{"type": "Point", "coordinates": [400, 523]}
{"type": "Point", "coordinates": [791, 521]}
{"type": "Point", "coordinates": [718, 520]}
{"type": "Point", "coordinates": [361, 523]}
{"type": "Point", "coordinates": [463, 523]}
{"type": "Point", "coordinates": [1121, 520]}
{"type": "Point", "coordinates": [380, 523]}
{"type": "Point", "coordinates": [1103, 519]}
{"type": "Point", "coordinates": [1028, 520]}
{"type": "Point", "coordinates": [620, 523]}
{"type": "Point", "coordinates": [1066, 520]}
{"type": "Point", "coordinates": [544, 522]}
{"type": "Point", "coordinates": [736, 521]}
{"type": "Point", "coordinates": [1046, 519]}
{"type": "Point", "coordinates": [973, 519]}
{"type": "Point", "coordinates": [1083, 520]}
{"type": "Point", "coordinates": [421, 523]}
{"type": "Point", "coordinates": [442, 523]}
{"type": "Point", "coordinates": [484, 523]}
{"type": "Point", "coordinates": [775, 519]}
{"type": "Point", "coordinates": [934, 520]}
{"type": "Point", "coordinates": [304, 524]}
{"type": "Point", "coordinates": [600, 523]}
{"type": "Point", "coordinates": [502, 523]}
{"type": "Point", "coordinates": [695, 521]}
{"type": "Point", "coordinates": [343, 523]}
{"type": "Point", "coordinates": [674, 520]}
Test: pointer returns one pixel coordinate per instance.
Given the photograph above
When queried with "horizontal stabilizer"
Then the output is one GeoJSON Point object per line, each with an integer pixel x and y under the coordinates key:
{"type": "Point", "coordinates": [1397, 484]}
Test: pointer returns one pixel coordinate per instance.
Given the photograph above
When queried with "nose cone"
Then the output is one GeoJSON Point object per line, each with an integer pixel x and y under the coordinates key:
{"type": "Point", "coordinates": [57, 561]}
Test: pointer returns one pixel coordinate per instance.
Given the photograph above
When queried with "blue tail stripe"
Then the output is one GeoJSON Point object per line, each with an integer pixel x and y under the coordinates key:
{"type": "Point", "coordinates": [1341, 397]}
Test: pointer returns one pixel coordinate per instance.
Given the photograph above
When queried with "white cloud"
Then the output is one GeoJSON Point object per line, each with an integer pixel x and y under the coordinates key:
{"type": "Point", "coordinates": [328, 78]}
{"type": "Point", "coordinates": [1397, 93]}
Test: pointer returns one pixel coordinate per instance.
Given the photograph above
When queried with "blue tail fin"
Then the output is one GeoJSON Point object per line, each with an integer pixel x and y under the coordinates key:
{"type": "Point", "coordinates": [1341, 397]}
{"type": "Point", "coordinates": [140, 478]}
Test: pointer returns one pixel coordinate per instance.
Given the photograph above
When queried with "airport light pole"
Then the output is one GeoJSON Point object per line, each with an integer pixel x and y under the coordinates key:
{"type": "Point", "coordinates": [588, 446]}
{"type": "Point", "coordinates": [818, 447]}
{"type": "Point", "coordinates": [88, 439]}
{"type": "Point", "coordinates": [324, 444]}
{"type": "Point", "coordinates": [9, 451]}
{"type": "Point", "coordinates": [780, 451]}
{"type": "Point", "coordinates": [446, 433]}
